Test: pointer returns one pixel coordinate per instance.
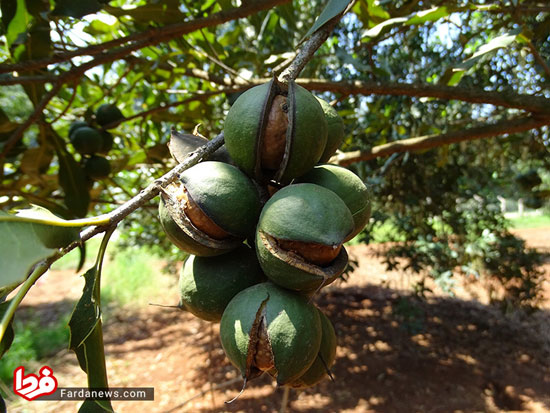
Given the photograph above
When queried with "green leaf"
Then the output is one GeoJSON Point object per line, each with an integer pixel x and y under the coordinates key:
{"type": "Point", "coordinates": [420, 17]}
{"type": "Point", "coordinates": [82, 260]}
{"type": "Point", "coordinates": [370, 13]}
{"type": "Point", "coordinates": [454, 74]}
{"type": "Point", "coordinates": [5, 344]}
{"type": "Point", "coordinates": [73, 181]}
{"type": "Point", "coordinates": [4, 291]}
{"type": "Point", "coordinates": [86, 313]}
{"type": "Point", "coordinates": [97, 27]}
{"type": "Point", "coordinates": [92, 406]}
{"type": "Point", "coordinates": [332, 9]}
{"type": "Point", "coordinates": [497, 43]}
{"type": "Point", "coordinates": [206, 4]}
{"type": "Point", "coordinates": [24, 242]}
{"type": "Point", "coordinates": [376, 30]}
{"type": "Point", "coordinates": [376, 10]}
{"type": "Point", "coordinates": [86, 335]}
{"type": "Point", "coordinates": [137, 157]}
{"type": "Point", "coordinates": [76, 9]}
{"type": "Point", "coordinates": [454, 77]}
{"type": "Point", "coordinates": [20, 249]}
{"type": "Point", "coordinates": [51, 229]}
{"type": "Point", "coordinates": [18, 23]}
{"type": "Point", "coordinates": [91, 357]}
{"type": "Point", "coordinates": [431, 15]}
{"type": "Point", "coordinates": [161, 11]}
{"type": "Point", "coordinates": [37, 45]}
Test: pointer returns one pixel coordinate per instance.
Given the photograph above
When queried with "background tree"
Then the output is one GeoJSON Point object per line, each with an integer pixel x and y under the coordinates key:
{"type": "Point", "coordinates": [445, 105]}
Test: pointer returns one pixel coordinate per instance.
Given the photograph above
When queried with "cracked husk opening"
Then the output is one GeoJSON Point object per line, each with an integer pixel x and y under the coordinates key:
{"type": "Point", "coordinates": [275, 247]}
{"type": "Point", "coordinates": [174, 200]}
{"type": "Point", "coordinates": [199, 219]}
{"type": "Point", "coordinates": [273, 142]}
{"type": "Point", "coordinates": [311, 252]}
{"type": "Point", "coordinates": [273, 138]}
{"type": "Point", "coordinates": [260, 354]}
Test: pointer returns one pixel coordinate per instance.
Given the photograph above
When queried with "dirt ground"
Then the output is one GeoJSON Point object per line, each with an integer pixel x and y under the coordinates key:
{"type": "Point", "coordinates": [447, 354]}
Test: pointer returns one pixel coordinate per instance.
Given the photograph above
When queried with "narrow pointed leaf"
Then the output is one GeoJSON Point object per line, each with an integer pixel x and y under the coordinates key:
{"type": "Point", "coordinates": [5, 344]}
{"type": "Point", "coordinates": [431, 15]}
{"type": "Point", "coordinates": [86, 313]}
{"type": "Point", "coordinates": [182, 144]}
{"type": "Point", "coordinates": [75, 9]}
{"type": "Point", "coordinates": [95, 406]}
{"type": "Point", "coordinates": [420, 17]}
{"type": "Point", "coordinates": [376, 30]}
{"type": "Point", "coordinates": [86, 332]}
{"type": "Point", "coordinates": [91, 357]}
{"type": "Point", "coordinates": [19, 23]}
{"type": "Point", "coordinates": [2, 405]}
{"type": "Point", "coordinates": [73, 181]}
{"type": "Point", "coordinates": [332, 9]}
{"type": "Point", "coordinates": [454, 74]}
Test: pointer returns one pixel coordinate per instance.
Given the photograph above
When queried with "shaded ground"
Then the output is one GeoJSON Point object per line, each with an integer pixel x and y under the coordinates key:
{"type": "Point", "coordinates": [394, 354]}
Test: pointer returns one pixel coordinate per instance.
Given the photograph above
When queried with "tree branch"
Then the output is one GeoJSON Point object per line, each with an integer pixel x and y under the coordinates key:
{"type": "Point", "coordinates": [21, 80]}
{"type": "Point", "coordinates": [515, 125]}
{"type": "Point", "coordinates": [218, 80]}
{"type": "Point", "coordinates": [506, 98]}
{"type": "Point", "coordinates": [149, 37]}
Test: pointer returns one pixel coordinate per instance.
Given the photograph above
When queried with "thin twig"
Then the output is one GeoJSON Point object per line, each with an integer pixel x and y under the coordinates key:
{"type": "Point", "coordinates": [112, 88]}
{"type": "Point", "coordinates": [199, 95]}
{"type": "Point", "coordinates": [216, 60]}
{"type": "Point", "coordinates": [211, 364]}
{"type": "Point", "coordinates": [69, 103]}
{"type": "Point", "coordinates": [284, 401]}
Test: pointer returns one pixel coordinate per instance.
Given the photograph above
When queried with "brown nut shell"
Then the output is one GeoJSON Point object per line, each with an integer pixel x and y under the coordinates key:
{"type": "Point", "coordinates": [200, 220]}
{"type": "Point", "coordinates": [274, 141]}
{"type": "Point", "coordinates": [318, 254]}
